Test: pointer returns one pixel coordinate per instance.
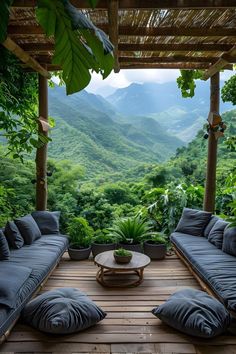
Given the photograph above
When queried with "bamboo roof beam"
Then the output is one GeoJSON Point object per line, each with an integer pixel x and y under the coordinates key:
{"type": "Point", "coordinates": [144, 4]}
{"type": "Point", "coordinates": [220, 64]}
{"type": "Point", "coordinates": [141, 31]}
{"type": "Point", "coordinates": [113, 7]}
{"type": "Point", "coordinates": [25, 57]}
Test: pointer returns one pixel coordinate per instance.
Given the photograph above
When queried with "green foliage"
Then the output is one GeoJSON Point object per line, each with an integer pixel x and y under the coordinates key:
{"type": "Point", "coordinates": [80, 233]}
{"type": "Point", "coordinates": [158, 239]}
{"type": "Point", "coordinates": [131, 230]}
{"type": "Point", "coordinates": [228, 91]}
{"type": "Point", "coordinates": [5, 12]}
{"type": "Point", "coordinates": [122, 252]}
{"type": "Point", "coordinates": [103, 237]}
{"type": "Point", "coordinates": [79, 45]}
{"type": "Point", "coordinates": [186, 82]}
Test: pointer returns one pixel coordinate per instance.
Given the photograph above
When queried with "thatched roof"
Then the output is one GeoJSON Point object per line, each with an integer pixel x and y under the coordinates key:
{"type": "Point", "coordinates": [182, 34]}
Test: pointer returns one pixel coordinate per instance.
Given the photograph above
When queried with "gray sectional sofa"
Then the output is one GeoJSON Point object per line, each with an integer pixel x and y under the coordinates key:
{"type": "Point", "coordinates": [24, 272]}
{"type": "Point", "coordinates": [211, 263]}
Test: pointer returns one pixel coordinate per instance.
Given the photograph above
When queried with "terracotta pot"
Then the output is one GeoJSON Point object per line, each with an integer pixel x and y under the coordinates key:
{"type": "Point", "coordinates": [154, 250]}
{"type": "Point", "coordinates": [78, 254]}
{"type": "Point", "coordinates": [100, 247]}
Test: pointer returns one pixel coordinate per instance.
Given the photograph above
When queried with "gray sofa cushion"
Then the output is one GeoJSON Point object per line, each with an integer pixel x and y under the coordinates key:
{"type": "Point", "coordinates": [216, 234]}
{"type": "Point", "coordinates": [229, 241]}
{"type": "Point", "coordinates": [11, 284]}
{"type": "Point", "coordinates": [193, 222]}
{"type": "Point", "coordinates": [62, 311]}
{"type": "Point", "coordinates": [210, 225]}
{"type": "Point", "coordinates": [4, 249]}
{"type": "Point", "coordinates": [195, 313]}
{"type": "Point", "coordinates": [28, 228]}
{"type": "Point", "coordinates": [48, 222]}
{"type": "Point", "coordinates": [13, 236]}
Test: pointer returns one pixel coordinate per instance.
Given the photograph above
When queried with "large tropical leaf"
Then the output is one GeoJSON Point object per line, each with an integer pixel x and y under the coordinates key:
{"type": "Point", "coordinates": [79, 46]}
{"type": "Point", "coordinates": [93, 3]}
{"type": "Point", "coordinates": [4, 12]}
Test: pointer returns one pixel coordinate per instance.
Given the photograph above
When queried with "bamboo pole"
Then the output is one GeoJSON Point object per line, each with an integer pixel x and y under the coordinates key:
{"type": "Point", "coordinates": [41, 154]}
{"type": "Point", "coordinates": [210, 185]}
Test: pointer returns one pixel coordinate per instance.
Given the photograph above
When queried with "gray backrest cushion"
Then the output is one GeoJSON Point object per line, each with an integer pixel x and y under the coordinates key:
{"type": "Point", "coordinates": [210, 225]}
{"type": "Point", "coordinates": [193, 222]}
{"type": "Point", "coordinates": [229, 241]}
{"type": "Point", "coordinates": [28, 228]}
{"type": "Point", "coordinates": [195, 313]}
{"type": "Point", "coordinates": [4, 249]}
{"type": "Point", "coordinates": [48, 222]}
{"type": "Point", "coordinates": [216, 234]}
{"type": "Point", "coordinates": [13, 235]}
{"type": "Point", "coordinates": [62, 311]}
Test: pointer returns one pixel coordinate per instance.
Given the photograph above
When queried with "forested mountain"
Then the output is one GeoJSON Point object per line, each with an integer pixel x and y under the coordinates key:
{"type": "Point", "coordinates": [91, 132]}
{"type": "Point", "coordinates": [164, 103]}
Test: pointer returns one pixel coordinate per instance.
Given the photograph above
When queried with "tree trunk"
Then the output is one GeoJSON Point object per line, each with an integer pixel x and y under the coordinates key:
{"type": "Point", "coordinates": [41, 154]}
{"type": "Point", "coordinates": [210, 185]}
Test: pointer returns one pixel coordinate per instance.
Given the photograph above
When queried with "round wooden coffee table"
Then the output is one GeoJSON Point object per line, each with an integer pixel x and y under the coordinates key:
{"type": "Point", "coordinates": [108, 266]}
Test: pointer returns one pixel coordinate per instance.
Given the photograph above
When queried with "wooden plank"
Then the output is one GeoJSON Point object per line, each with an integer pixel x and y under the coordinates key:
{"type": "Point", "coordinates": [220, 64]}
{"type": "Point", "coordinates": [140, 31]}
{"type": "Point", "coordinates": [25, 57]}
{"type": "Point", "coordinates": [113, 6]}
{"type": "Point", "coordinates": [144, 4]}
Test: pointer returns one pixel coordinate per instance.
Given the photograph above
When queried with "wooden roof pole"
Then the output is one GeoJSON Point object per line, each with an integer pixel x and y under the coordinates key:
{"type": "Point", "coordinates": [220, 64]}
{"type": "Point", "coordinates": [25, 57]}
{"type": "Point", "coordinates": [113, 7]}
{"type": "Point", "coordinates": [210, 185]}
{"type": "Point", "coordinates": [41, 154]}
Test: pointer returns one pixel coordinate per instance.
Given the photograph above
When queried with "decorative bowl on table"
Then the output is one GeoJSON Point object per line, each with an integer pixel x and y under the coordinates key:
{"type": "Point", "coordinates": [122, 256]}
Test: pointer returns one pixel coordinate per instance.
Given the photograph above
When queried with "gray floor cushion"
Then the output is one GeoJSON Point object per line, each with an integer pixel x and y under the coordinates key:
{"type": "Point", "coordinates": [195, 313]}
{"type": "Point", "coordinates": [62, 311]}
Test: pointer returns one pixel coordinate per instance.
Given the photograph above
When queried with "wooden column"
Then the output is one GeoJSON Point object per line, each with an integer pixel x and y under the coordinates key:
{"type": "Point", "coordinates": [210, 185]}
{"type": "Point", "coordinates": [41, 155]}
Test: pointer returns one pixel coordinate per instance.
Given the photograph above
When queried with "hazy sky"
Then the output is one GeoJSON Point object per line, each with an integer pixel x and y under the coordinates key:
{"type": "Point", "coordinates": [126, 77]}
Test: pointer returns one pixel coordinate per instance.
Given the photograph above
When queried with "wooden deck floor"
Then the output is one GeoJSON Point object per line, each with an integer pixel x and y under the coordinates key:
{"type": "Point", "coordinates": [129, 326]}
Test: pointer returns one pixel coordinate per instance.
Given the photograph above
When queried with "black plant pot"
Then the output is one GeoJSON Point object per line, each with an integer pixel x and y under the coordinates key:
{"type": "Point", "coordinates": [78, 254]}
{"type": "Point", "coordinates": [100, 247]}
{"type": "Point", "coordinates": [136, 247]}
{"type": "Point", "coordinates": [122, 259]}
{"type": "Point", "coordinates": [154, 250]}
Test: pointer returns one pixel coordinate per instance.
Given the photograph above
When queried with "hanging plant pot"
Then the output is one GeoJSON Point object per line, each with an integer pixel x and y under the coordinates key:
{"type": "Point", "coordinates": [102, 247]}
{"type": "Point", "coordinates": [154, 250]}
{"type": "Point", "coordinates": [136, 247]}
{"type": "Point", "coordinates": [79, 254]}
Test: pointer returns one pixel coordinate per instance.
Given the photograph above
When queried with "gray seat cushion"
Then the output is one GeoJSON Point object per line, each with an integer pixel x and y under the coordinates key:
{"type": "Point", "coordinates": [229, 241]}
{"type": "Point", "coordinates": [216, 234]}
{"type": "Point", "coordinates": [4, 249]}
{"type": "Point", "coordinates": [193, 222]}
{"type": "Point", "coordinates": [48, 222]}
{"type": "Point", "coordinates": [13, 236]}
{"type": "Point", "coordinates": [195, 313]}
{"type": "Point", "coordinates": [28, 228]}
{"type": "Point", "coordinates": [62, 311]}
{"type": "Point", "coordinates": [215, 267]}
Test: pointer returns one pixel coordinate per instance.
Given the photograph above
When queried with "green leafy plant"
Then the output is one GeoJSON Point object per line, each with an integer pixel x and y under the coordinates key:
{"type": "Point", "coordinates": [186, 81]}
{"type": "Point", "coordinates": [157, 238]}
{"type": "Point", "coordinates": [122, 252]}
{"type": "Point", "coordinates": [131, 230]}
{"type": "Point", "coordinates": [80, 233]}
{"type": "Point", "coordinates": [102, 237]}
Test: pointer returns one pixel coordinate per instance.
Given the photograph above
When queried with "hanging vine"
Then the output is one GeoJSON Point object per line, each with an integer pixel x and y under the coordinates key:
{"type": "Point", "coordinates": [186, 82]}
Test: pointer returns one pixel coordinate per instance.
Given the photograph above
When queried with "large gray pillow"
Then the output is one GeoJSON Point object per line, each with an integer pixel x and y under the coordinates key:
{"type": "Point", "coordinates": [28, 228]}
{"type": "Point", "coordinates": [48, 222]}
{"type": "Point", "coordinates": [4, 249]}
{"type": "Point", "coordinates": [13, 236]}
{"type": "Point", "coordinates": [210, 225]}
{"type": "Point", "coordinates": [193, 222]}
{"type": "Point", "coordinates": [229, 241]}
{"type": "Point", "coordinates": [62, 311]}
{"type": "Point", "coordinates": [195, 313]}
{"type": "Point", "coordinates": [216, 234]}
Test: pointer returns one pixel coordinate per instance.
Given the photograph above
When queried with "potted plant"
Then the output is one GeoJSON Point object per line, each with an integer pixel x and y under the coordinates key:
{"type": "Point", "coordinates": [102, 242]}
{"type": "Point", "coordinates": [130, 232]}
{"type": "Point", "coordinates": [80, 238]}
{"type": "Point", "coordinates": [122, 256]}
{"type": "Point", "coordinates": [155, 246]}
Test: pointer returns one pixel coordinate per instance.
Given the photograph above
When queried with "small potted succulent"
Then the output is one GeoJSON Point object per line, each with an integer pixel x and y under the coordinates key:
{"type": "Point", "coordinates": [130, 232]}
{"type": "Point", "coordinates": [122, 256]}
{"type": "Point", "coordinates": [102, 242]}
{"type": "Point", "coordinates": [154, 246]}
{"type": "Point", "coordinates": [80, 238]}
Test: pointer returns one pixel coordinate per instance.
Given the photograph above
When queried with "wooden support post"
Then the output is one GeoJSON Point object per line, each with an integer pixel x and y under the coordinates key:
{"type": "Point", "coordinates": [210, 185]}
{"type": "Point", "coordinates": [41, 155]}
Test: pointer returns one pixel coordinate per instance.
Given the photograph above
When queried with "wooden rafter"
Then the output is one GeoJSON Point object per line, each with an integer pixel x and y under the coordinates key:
{"type": "Point", "coordinates": [140, 31]}
{"type": "Point", "coordinates": [145, 4]}
{"type": "Point", "coordinates": [220, 64]}
{"type": "Point", "coordinates": [113, 7]}
{"type": "Point", "coordinates": [25, 57]}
